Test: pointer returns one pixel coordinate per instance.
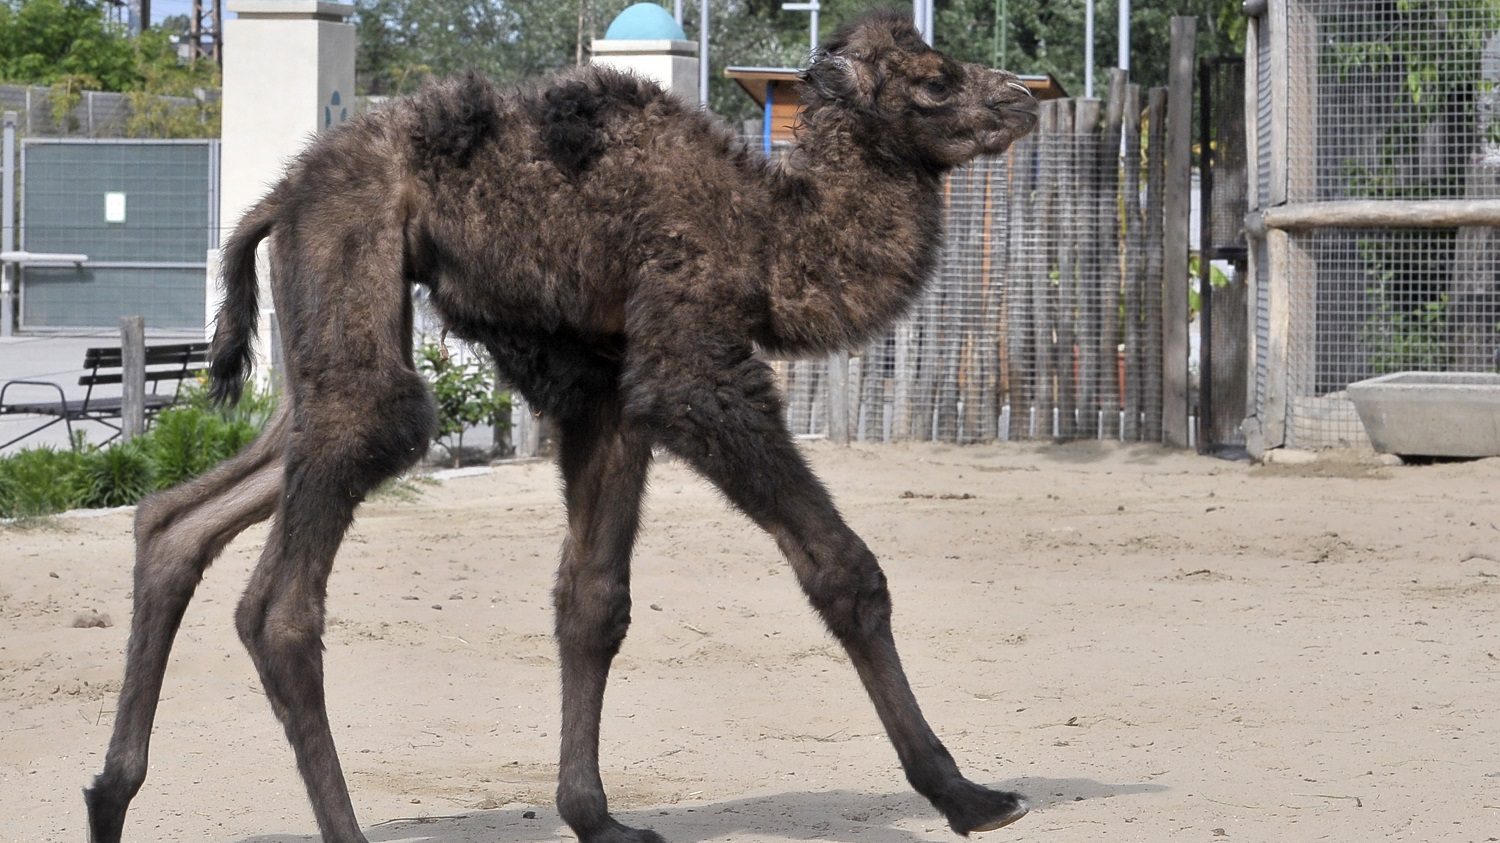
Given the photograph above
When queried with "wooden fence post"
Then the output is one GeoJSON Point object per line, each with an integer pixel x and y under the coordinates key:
{"type": "Point", "coordinates": [1090, 277]}
{"type": "Point", "coordinates": [838, 397]}
{"type": "Point", "coordinates": [1135, 243]}
{"type": "Point", "coordinates": [133, 377]}
{"type": "Point", "coordinates": [1110, 263]}
{"type": "Point", "coordinates": [1175, 243]}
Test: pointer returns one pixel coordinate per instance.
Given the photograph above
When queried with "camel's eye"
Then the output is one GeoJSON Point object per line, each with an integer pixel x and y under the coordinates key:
{"type": "Point", "coordinates": [936, 88]}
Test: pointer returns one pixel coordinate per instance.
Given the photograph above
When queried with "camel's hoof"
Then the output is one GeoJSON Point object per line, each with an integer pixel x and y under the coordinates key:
{"type": "Point", "coordinates": [1015, 813]}
{"type": "Point", "coordinates": [973, 808]}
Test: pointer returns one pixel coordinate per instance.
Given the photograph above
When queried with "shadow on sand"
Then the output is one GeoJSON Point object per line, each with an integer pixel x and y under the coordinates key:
{"type": "Point", "coordinates": [836, 815]}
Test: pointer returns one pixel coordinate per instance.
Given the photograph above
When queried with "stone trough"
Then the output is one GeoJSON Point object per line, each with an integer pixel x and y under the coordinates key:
{"type": "Point", "coordinates": [1431, 414]}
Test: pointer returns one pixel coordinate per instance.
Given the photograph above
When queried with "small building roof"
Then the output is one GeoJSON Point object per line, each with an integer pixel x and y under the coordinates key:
{"type": "Point", "coordinates": [645, 22]}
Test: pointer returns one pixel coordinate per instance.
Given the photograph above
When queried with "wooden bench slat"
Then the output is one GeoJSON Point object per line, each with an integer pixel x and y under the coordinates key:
{"type": "Point", "coordinates": [162, 375]}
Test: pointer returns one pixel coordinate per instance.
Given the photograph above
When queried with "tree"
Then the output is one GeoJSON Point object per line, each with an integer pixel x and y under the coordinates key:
{"type": "Point", "coordinates": [69, 46]}
{"type": "Point", "coordinates": [404, 42]}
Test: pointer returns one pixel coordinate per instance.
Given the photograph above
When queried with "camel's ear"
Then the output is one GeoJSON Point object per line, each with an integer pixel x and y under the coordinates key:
{"type": "Point", "coordinates": [832, 78]}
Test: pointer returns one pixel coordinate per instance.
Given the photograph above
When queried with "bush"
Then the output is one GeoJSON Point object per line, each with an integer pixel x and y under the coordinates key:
{"type": "Point", "coordinates": [465, 394]}
{"type": "Point", "coordinates": [183, 442]}
{"type": "Point", "coordinates": [118, 475]}
{"type": "Point", "coordinates": [41, 481]}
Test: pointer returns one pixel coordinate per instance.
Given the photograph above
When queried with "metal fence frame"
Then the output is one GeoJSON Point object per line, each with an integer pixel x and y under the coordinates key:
{"type": "Point", "coordinates": [212, 223]}
{"type": "Point", "coordinates": [1316, 200]}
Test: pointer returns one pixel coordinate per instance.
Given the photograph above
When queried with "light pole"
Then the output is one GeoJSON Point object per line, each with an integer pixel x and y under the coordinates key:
{"type": "Point", "coordinates": [1125, 35]}
{"type": "Point", "coordinates": [921, 15]}
{"type": "Point", "coordinates": [703, 52]}
{"type": "Point", "coordinates": [1088, 50]}
{"type": "Point", "coordinates": [812, 8]}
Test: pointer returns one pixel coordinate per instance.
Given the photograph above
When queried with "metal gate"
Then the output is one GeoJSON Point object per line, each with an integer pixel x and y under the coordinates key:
{"type": "Point", "coordinates": [145, 212]}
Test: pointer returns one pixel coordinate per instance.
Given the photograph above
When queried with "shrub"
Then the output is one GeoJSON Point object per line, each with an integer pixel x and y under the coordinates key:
{"type": "Point", "coordinates": [466, 396]}
{"type": "Point", "coordinates": [41, 481]}
{"type": "Point", "coordinates": [118, 475]}
{"type": "Point", "coordinates": [184, 441]}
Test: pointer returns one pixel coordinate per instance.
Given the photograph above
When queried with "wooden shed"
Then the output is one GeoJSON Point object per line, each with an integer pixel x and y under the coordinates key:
{"type": "Point", "coordinates": [778, 92]}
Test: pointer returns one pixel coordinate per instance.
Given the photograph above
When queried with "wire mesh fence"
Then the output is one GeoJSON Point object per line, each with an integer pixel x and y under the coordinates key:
{"type": "Point", "coordinates": [1403, 96]}
{"type": "Point", "coordinates": [1044, 317]}
{"type": "Point", "coordinates": [1393, 101]}
{"type": "Point", "coordinates": [47, 112]}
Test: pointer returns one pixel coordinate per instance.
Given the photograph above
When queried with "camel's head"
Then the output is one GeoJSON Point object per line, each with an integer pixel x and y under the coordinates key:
{"type": "Point", "coordinates": [912, 102]}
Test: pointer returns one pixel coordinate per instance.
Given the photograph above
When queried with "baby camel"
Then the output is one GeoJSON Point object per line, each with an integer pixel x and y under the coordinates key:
{"type": "Point", "coordinates": [621, 254]}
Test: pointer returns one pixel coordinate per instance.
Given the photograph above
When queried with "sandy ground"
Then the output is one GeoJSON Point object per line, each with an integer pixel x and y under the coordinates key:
{"type": "Point", "coordinates": [1153, 646]}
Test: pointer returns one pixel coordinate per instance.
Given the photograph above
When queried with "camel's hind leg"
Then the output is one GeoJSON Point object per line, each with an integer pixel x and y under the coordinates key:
{"type": "Point", "coordinates": [604, 468]}
{"type": "Point", "coordinates": [354, 431]}
{"type": "Point", "coordinates": [178, 533]}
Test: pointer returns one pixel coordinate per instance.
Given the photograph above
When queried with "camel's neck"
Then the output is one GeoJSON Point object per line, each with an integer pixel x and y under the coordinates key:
{"type": "Point", "coordinates": [855, 239]}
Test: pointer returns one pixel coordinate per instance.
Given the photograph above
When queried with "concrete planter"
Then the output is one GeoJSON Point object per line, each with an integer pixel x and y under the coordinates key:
{"type": "Point", "coordinates": [1433, 414]}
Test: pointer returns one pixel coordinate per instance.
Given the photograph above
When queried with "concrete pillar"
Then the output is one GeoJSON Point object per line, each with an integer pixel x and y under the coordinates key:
{"type": "Point", "coordinates": [288, 74]}
{"type": "Point", "coordinates": [671, 63]}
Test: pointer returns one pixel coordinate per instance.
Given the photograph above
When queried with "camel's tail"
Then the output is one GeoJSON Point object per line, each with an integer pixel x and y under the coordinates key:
{"type": "Point", "coordinates": [232, 354]}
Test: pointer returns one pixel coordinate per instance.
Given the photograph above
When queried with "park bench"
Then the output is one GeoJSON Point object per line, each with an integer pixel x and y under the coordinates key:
{"type": "Point", "coordinates": [165, 364]}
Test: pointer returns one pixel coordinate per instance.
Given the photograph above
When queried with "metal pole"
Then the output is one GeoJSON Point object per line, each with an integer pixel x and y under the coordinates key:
{"type": "Point", "coordinates": [998, 43]}
{"type": "Point", "coordinates": [677, 11]}
{"type": "Point", "coordinates": [813, 26]}
{"type": "Point", "coordinates": [1124, 34]}
{"type": "Point", "coordinates": [703, 52]}
{"type": "Point", "coordinates": [7, 219]}
{"type": "Point", "coordinates": [1088, 50]}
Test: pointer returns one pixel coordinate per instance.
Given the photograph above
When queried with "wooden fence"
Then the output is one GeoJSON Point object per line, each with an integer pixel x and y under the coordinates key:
{"type": "Point", "coordinates": [1045, 318]}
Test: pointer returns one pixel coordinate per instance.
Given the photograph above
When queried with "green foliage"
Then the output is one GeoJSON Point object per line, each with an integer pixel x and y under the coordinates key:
{"type": "Point", "coordinates": [40, 481]}
{"type": "Point", "coordinates": [404, 42]}
{"type": "Point", "coordinates": [68, 46]}
{"type": "Point", "coordinates": [1427, 54]}
{"type": "Point", "coordinates": [1404, 338]}
{"type": "Point", "coordinates": [1408, 328]}
{"type": "Point", "coordinates": [184, 441]}
{"type": "Point", "coordinates": [118, 475]}
{"type": "Point", "coordinates": [466, 396]}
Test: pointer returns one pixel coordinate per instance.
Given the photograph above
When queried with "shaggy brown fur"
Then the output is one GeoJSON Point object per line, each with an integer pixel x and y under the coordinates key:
{"type": "Point", "coordinates": [621, 255]}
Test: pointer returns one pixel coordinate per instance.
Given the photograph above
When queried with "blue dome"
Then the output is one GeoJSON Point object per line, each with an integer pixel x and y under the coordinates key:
{"type": "Point", "coordinates": [645, 22]}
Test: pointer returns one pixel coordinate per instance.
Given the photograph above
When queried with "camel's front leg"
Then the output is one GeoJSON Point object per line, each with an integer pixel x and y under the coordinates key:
{"type": "Point", "coordinates": [725, 420]}
{"type": "Point", "coordinates": [604, 470]}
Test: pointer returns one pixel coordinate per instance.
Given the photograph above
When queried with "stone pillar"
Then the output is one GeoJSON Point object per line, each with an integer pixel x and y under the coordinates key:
{"type": "Point", "coordinates": [671, 63]}
{"type": "Point", "coordinates": [288, 74]}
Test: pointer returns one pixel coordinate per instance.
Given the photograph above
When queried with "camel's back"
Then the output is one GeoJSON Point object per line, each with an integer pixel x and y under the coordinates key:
{"type": "Point", "coordinates": [591, 175]}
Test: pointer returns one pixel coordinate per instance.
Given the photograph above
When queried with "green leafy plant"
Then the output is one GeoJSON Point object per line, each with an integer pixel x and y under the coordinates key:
{"type": "Point", "coordinates": [466, 396]}
{"type": "Point", "coordinates": [184, 441]}
{"type": "Point", "coordinates": [1401, 337]}
{"type": "Point", "coordinates": [118, 475]}
{"type": "Point", "coordinates": [41, 481]}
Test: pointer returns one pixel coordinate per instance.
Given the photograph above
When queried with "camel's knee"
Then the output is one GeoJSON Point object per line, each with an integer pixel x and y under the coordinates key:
{"type": "Point", "coordinates": [279, 630]}
{"type": "Point", "coordinates": [593, 614]}
{"type": "Point", "coordinates": [353, 441]}
{"type": "Point", "coordinates": [848, 589]}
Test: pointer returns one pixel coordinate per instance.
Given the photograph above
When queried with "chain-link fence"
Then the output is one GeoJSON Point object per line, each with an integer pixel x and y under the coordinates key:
{"type": "Point", "coordinates": [1044, 317]}
{"type": "Point", "coordinates": [1380, 156]}
{"type": "Point", "coordinates": [46, 112]}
